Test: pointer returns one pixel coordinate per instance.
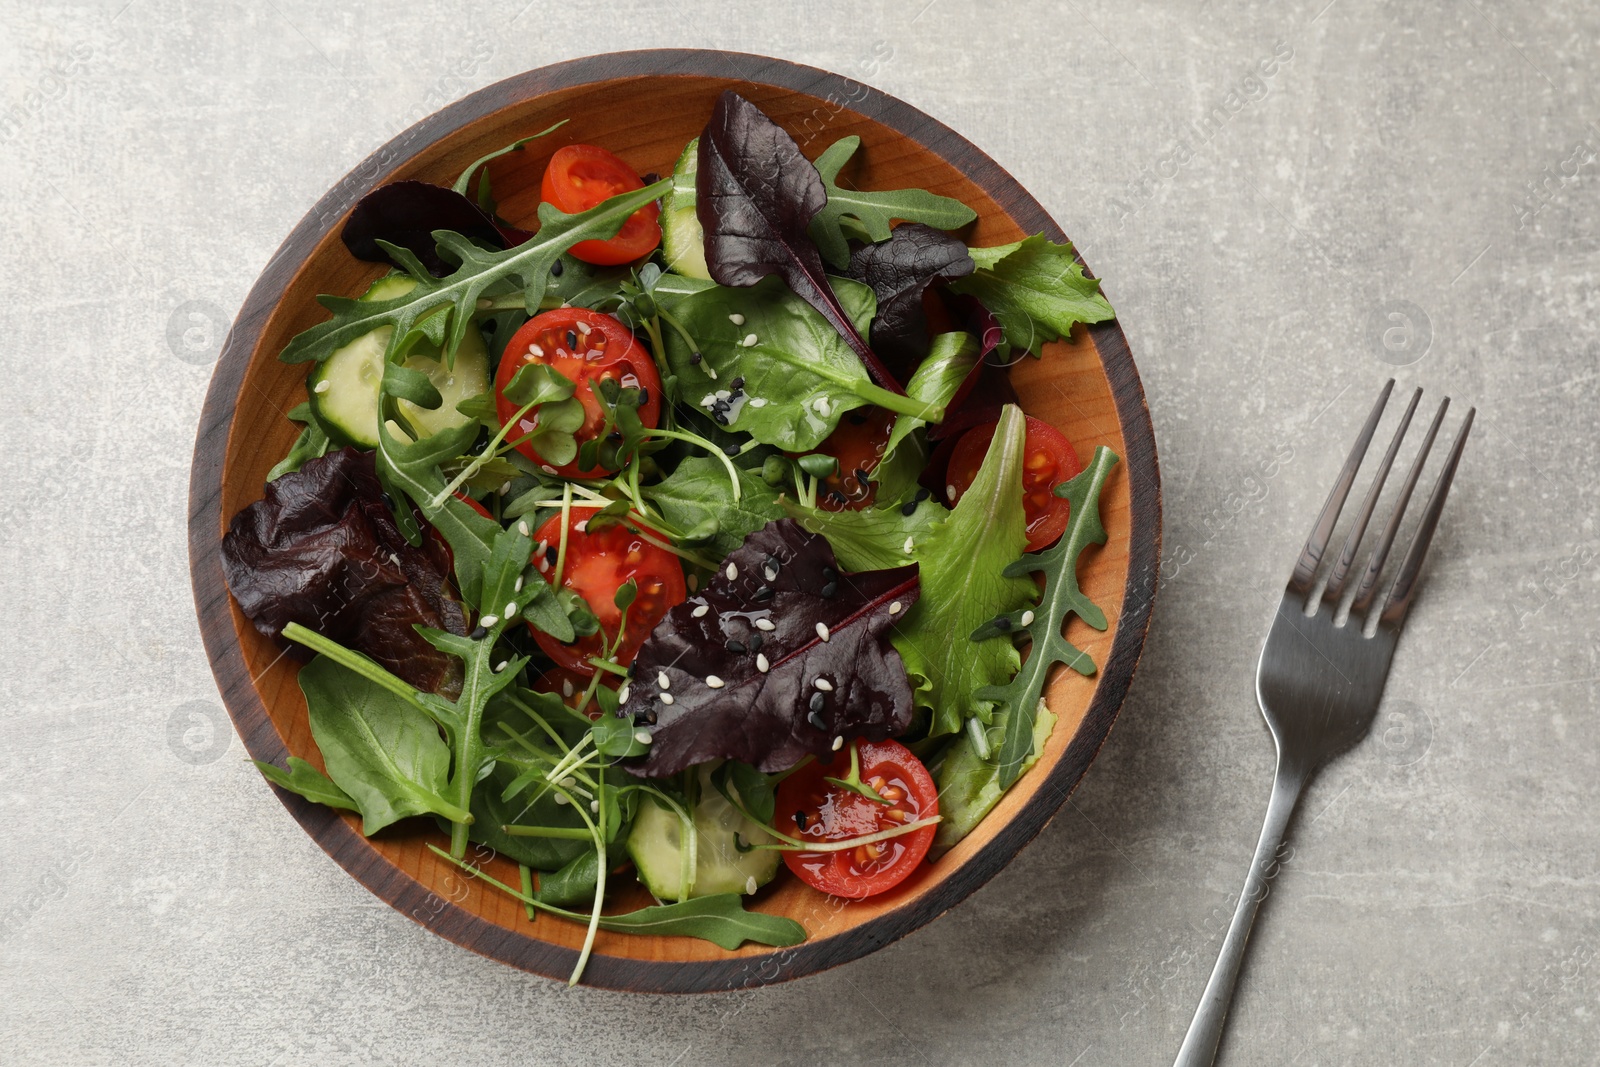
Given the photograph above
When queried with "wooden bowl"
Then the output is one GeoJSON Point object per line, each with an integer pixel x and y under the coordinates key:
{"type": "Point", "coordinates": [645, 106]}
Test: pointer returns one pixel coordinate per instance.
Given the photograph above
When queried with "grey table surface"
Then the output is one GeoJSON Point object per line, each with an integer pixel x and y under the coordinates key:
{"type": "Point", "coordinates": [1411, 191]}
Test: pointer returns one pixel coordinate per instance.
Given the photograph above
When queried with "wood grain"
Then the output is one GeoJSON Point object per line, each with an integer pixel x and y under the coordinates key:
{"type": "Point", "coordinates": [645, 106]}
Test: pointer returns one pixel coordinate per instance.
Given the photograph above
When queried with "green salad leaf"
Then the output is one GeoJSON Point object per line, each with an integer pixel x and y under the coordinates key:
{"type": "Point", "coordinates": [966, 581]}
{"type": "Point", "coordinates": [871, 539]}
{"type": "Point", "coordinates": [950, 359]}
{"type": "Point", "coordinates": [1061, 595]}
{"type": "Point", "coordinates": [695, 497]}
{"type": "Point", "coordinates": [873, 211]}
{"type": "Point", "coordinates": [312, 442]}
{"type": "Point", "coordinates": [1036, 289]}
{"type": "Point", "coordinates": [303, 778]}
{"type": "Point", "coordinates": [969, 782]}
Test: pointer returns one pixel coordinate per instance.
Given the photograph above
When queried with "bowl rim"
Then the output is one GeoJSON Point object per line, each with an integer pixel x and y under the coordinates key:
{"type": "Point", "coordinates": [344, 843]}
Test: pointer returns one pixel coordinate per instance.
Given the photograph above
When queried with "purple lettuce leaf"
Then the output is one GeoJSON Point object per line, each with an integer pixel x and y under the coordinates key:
{"type": "Point", "coordinates": [406, 214]}
{"type": "Point", "coordinates": [755, 196]}
{"type": "Point", "coordinates": [899, 271]}
{"type": "Point", "coordinates": [321, 548]}
{"type": "Point", "coordinates": [734, 690]}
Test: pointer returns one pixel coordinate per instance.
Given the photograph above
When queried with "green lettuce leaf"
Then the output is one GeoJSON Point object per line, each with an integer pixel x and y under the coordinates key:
{"type": "Point", "coordinates": [695, 497]}
{"type": "Point", "coordinates": [1036, 289]}
{"type": "Point", "coordinates": [966, 581]}
{"type": "Point", "coordinates": [969, 785]}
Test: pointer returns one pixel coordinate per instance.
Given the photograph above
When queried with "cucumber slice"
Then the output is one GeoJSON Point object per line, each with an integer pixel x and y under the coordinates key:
{"type": "Point", "coordinates": [656, 841]}
{"type": "Point", "coordinates": [683, 241]}
{"type": "Point", "coordinates": [344, 387]}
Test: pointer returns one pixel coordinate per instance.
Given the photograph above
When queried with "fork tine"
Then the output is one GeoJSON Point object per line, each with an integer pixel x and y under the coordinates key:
{"type": "Point", "coordinates": [1317, 543]}
{"type": "Point", "coordinates": [1404, 589]}
{"type": "Point", "coordinates": [1352, 540]}
{"type": "Point", "coordinates": [1380, 552]}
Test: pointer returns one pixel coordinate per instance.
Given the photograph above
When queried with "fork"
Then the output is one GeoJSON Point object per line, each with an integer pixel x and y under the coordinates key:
{"type": "Point", "coordinates": [1322, 671]}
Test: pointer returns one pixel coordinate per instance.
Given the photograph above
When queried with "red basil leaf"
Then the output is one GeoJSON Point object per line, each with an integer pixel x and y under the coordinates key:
{"type": "Point", "coordinates": [771, 719]}
{"type": "Point", "coordinates": [407, 213]}
{"type": "Point", "coordinates": [898, 271]}
{"type": "Point", "coordinates": [322, 549]}
{"type": "Point", "coordinates": [755, 195]}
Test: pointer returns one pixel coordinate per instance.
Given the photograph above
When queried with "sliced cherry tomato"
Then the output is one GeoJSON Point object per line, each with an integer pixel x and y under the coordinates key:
{"type": "Point", "coordinates": [1048, 459]}
{"type": "Point", "coordinates": [858, 443]}
{"type": "Point", "coordinates": [811, 808]}
{"type": "Point", "coordinates": [598, 564]}
{"type": "Point", "coordinates": [581, 176]}
{"type": "Point", "coordinates": [570, 687]}
{"type": "Point", "coordinates": [586, 347]}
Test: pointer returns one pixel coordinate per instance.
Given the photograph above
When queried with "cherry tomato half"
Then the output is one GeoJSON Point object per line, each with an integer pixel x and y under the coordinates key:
{"type": "Point", "coordinates": [581, 176]}
{"type": "Point", "coordinates": [1048, 459]}
{"type": "Point", "coordinates": [811, 808]}
{"type": "Point", "coordinates": [597, 566]}
{"type": "Point", "coordinates": [858, 443]}
{"type": "Point", "coordinates": [586, 347]}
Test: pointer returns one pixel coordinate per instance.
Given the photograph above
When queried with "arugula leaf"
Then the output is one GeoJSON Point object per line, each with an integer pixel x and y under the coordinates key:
{"type": "Point", "coordinates": [380, 749]}
{"type": "Point", "coordinates": [1061, 595]}
{"type": "Point", "coordinates": [303, 778]}
{"type": "Point", "coordinates": [736, 690]}
{"type": "Point", "coordinates": [899, 270]}
{"type": "Point", "coordinates": [312, 443]}
{"type": "Point", "coordinates": [755, 195]}
{"type": "Point", "coordinates": [964, 561]}
{"type": "Point", "coordinates": [790, 385]}
{"type": "Point", "coordinates": [695, 497]}
{"type": "Point", "coordinates": [969, 783]}
{"type": "Point", "coordinates": [463, 184]}
{"type": "Point", "coordinates": [413, 314]}
{"type": "Point", "coordinates": [1036, 288]}
{"type": "Point", "coordinates": [873, 210]}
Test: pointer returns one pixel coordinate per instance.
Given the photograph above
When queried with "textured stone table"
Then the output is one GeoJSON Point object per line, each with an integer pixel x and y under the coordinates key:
{"type": "Point", "coordinates": [1408, 185]}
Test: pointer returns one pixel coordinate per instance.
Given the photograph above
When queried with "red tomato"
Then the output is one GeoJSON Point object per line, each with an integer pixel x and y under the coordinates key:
{"type": "Point", "coordinates": [1048, 459]}
{"type": "Point", "coordinates": [597, 566]}
{"type": "Point", "coordinates": [857, 443]}
{"type": "Point", "coordinates": [608, 351]}
{"type": "Point", "coordinates": [811, 808]}
{"type": "Point", "coordinates": [581, 176]}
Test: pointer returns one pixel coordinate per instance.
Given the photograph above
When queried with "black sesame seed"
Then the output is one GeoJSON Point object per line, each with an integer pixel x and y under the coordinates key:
{"type": "Point", "coordinates": [837, 497]}
{"type": "Point", "coordinates": [863, 476]}
{"type": "Point", "coordinates": [478, 633]}
{"type": "Point", "coordinates": [694, 358]}
{"type": "Point", "coordinates": [650, 717]}
{"type": "Point", "coordinates": [388, 501]}
{"type": "Point", "coordinates": [731, 450]}
{"type": "Point", "coordinates": [829, 574]}
{"type": "Point", "coordinates": [556, 268]}
{"type": "Point", "coordinates": [923, 493]}
{"type": "Point", "coordinates": [909, 508]}
{"type": "Point", "coordinates": [644, 395]}
{"type": "Point", "coordinates": [818, 702]}
{"type": "Point", "coordinates": [737, 384]}
{"type": "Point", "coordinates": [755, 641]}
{"type": "Point", "coordinates": [816, 720]}
{"type": "Point", "coordinates": [735, 647]}
{"type": "Point", "coordinates": [719, 418]}
{"type": "Point", "coordinates": [831, 589]}
{"type": "Point", "coordinates": [1001, 623]}
{"type": "Point", "coordinates": [572, 340]}
{"type": "Point", "coordinates": [651, 177]}
{"type": "Point", "coordinates": [550, 553]}
{"type": "Point", "coordinates": [773, 564]}
{"type": "Point", "coordinates": [616, 435]}
{"type": "Point", "coordinates": [764, 593]}
{"type": "Point", "coordinates": [800, 820]}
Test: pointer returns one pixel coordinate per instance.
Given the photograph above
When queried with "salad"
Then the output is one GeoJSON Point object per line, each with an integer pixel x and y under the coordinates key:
{"type": "Point", "coordinates": [692, 537]}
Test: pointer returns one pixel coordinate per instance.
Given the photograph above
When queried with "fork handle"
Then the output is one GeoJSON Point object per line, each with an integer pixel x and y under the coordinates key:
{"type": "Point", "coordinates": [1205, 1032]}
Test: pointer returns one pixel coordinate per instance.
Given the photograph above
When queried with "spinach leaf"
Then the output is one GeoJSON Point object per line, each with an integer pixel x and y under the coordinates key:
{"type": "Point", "coordinates": [872, 538]}
{"type": "Point", "coordinates": [964, 561]}
{"type": "Point", "coordinates": [303, 778]}
{"type": "Point", "coordinates": [969, 783]}
{"type": "Point", "coordinates": [778, 657]}
{"type": "Point", "coordinates": [1036, 288]}
{"type": "Point", "coordinates": [380, 749]}
{"type": "Point", "coordinates": [899, 270]}
{"type": "Point", "coordinates": [874, 211]}
{"type": "Point", "coordinates": [1061, 595]}
{"type": "Point", "coordinates": [695, 497]}
{"type": "Point", "coordinates": [755, 195]}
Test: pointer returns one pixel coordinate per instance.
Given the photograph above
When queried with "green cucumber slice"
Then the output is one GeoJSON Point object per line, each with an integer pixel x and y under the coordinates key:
{"type": "Point", "coordinates": [683, 241]}
{"type": "Point", "coordinates": [656, 841]}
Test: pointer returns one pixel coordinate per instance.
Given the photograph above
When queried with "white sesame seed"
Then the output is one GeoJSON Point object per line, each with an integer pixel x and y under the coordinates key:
{"type": "Point", "coordinates": [566, 687]}
{"type": "Point", "coordinates": [894, 609]}
{"type": "Point", "coordinates": [821, 404]}
{"type": "Point", "coordinates": [950, 491]}
{"type": "Point", "coordinates": [535, 350]}
{"type": "Point", "coordinates": [908, 546]}
{"type": "Point", "coordinates": [713, 681]}
{"type": "Point", "coordinates": [561, 798]}
{"type": "Point", "coordinates": [622, 694]}
{"type": "Point", "coordinates": [736, 318]}
{"type": "Point", "coordinates": [643, 737]}
{"type": "Point", "coordinates": [822, 631]}
{"type": "Point", "coordinates": [505, 487]}
{"type": "Point", "coordinates": [543, 544]}
{"type": "Point", "coordinates": [489, 620]}
{"type": "Point", "coordinates": [666, 698]}
{"type": "Point", "coordinates": [547, 468]}
{"type": "Point", "coordinates": [594, 806]}
{"type": "Point", "coordinates": [750, 885]}
{"type": "Point", "coordinates": [502, 665]}
{"type": "Point", "coordinates": [761, 662]}
{"type": "Point", "coordinates": [522, 528]}
{"type": "Point", "coordinates": [511, 609]}
{"type": "Point", "coordinates": [824, 685]}
{"type": "Point", "coordinates": [662, 680]}
{"type": "Point", "coordinates": [322, 386]}
{"type": "Point", "coordinates": [732, 572]}
{"type": "Point", "coordinates": [771, 573]}
{"type": "Point", "coordinates": [692, 582]}
{"type": "Point", "coordinates": [711, 372]}
{"type": "Point", "coordinates": [757, 402]}
{"type": "Point", "coordinates": [1027, 618]}
{"type": "Point", "coordinates": [750, 340]}
{"type": "Point", "coordinates": [838, 743]}
{"type": "Point", "coordinates": [700, 610]}
{"type": "Point", "coordinates": [544, 565]}
{"type": "Point", "coordinates": [583, 328]}
{"type": "Point", "coordinates": [723, 394]}
{"type": "Point", "coordinates": [765, 624]}
{"type": "Point", "coordinates": [518, 586]}
{"type": "Point", "coordinates": [582, 526]}
{"type": "Point", "coordinates": [568, 782]}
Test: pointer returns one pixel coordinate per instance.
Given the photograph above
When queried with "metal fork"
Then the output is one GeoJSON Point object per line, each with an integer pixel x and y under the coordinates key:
{"type": "Point", "coordinates": [1321, 675]}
